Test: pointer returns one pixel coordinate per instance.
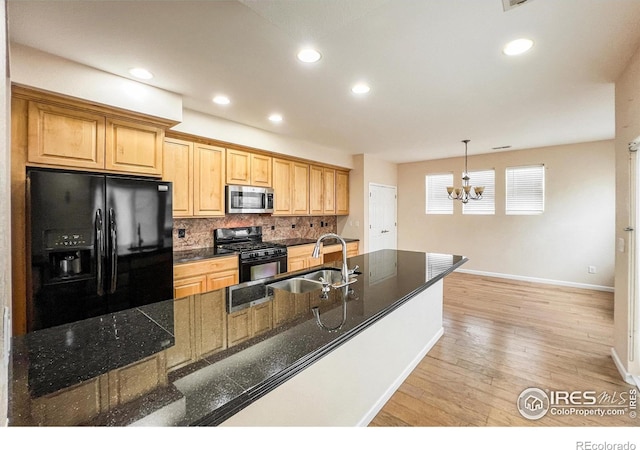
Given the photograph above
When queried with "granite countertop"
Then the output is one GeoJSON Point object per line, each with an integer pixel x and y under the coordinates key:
{"type": "Point", "coordinates": [48, 364]}
{"type": "Point", "coordinates": [196, 254]}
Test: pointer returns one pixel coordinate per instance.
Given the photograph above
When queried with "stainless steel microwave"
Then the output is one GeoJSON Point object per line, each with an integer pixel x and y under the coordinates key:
{"type": "Point", "coordinates": [249, 199]}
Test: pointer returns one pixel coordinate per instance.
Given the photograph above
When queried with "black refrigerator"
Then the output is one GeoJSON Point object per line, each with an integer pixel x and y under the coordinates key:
{"type": "Point", "coordinates": [99, 244]}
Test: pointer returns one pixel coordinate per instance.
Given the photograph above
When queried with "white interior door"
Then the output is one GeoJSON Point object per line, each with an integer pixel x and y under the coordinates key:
{"type": "Point", "coordinates": [382, 217]}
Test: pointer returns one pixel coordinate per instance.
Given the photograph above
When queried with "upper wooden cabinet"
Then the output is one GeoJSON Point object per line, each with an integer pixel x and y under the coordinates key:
{"type": "Point", "coordinates": [291, 187]}
{"type": "Point", "coordinates": [342, 193]}
{"type": "Point", "coordinates": [85, 139]}
{"type": "Point", "coordinates": [177, 161]}
{"type": "Point", "coordinates": [197, 173]}
{"type": "Point", "coordinates": [133, 147]}
{"type": "Point", "coordinates": [246, 168]}
{"type": "Point", "coordinates": [328, 191]}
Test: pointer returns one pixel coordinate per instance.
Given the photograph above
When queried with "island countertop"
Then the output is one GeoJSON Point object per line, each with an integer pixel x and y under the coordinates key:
{"type": "Point", "coordinates": [120, 369]}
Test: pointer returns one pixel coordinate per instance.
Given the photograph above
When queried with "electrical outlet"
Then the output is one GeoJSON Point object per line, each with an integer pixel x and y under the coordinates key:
{"type": "Point", "coordinates": [182, 233]}
{"type": "Point", "coordinates": [293, 225]}
{"type": "Point", "coordinates": [273, 227]}
{"type": "Point", "coordinates": [310, 225]}
{"type": "Point", "coordinates": [592, 269]}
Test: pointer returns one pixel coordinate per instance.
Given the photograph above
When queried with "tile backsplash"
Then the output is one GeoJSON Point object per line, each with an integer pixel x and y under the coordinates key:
{"type": "Point", "coordinates": [199, 232]}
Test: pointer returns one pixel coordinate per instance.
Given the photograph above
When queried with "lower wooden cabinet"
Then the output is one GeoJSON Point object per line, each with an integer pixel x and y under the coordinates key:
{"type": "Point", "coordinates": [299, 257]}
{"type": "Point", "coordinates": [79, 404]}
{"type": "Point", "coordinates": [331, 253]}
{"type": "Point", "coordinates": [200, 328]}
{"type": "Point", "coordinates": [249, 322]}
{"type": "Point", "coordinates": [287, 306]}
{"type": "Point", "coordinates": [201, 276]}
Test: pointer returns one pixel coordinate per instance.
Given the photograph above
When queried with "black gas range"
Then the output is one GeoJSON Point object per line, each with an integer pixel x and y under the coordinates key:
{"type": "Point", "coordinates": [257, 259]}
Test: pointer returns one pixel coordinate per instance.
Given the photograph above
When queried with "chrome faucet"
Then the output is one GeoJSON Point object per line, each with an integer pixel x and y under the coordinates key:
{"type": "Point", "coordinates": [345, 270]}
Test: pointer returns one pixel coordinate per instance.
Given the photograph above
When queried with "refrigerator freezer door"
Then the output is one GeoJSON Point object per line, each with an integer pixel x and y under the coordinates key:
{"type": "Point", "coordinates": [64, 211]}
{"type": "Point", "coordinates": [140, 237]}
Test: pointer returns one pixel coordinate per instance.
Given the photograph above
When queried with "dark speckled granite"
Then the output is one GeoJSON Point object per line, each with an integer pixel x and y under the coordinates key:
{"type": "Point", "coordinates": [213, 388]}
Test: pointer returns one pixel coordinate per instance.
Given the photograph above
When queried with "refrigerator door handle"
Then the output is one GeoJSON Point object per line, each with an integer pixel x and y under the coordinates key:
{"type": "Point", "coordinates": [113, 232]}
{"type": "Point", "coordinates": [99, 253]}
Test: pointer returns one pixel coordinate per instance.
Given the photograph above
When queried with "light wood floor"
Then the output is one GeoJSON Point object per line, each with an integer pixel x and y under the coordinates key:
{"type": "Point", "coordinates": [504, 336]}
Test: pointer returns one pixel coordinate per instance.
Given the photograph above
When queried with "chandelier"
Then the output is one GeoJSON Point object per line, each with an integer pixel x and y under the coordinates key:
{"type": "Point", "coordinates": [464, 194]}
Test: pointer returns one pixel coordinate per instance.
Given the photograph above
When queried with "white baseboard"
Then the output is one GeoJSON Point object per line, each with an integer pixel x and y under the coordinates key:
{"type": "Point", "coordinates": [594, 287]}
{"type": "Point", "coordinates": [375, 409]}
{"type": "Point", "coordinates": [626, 376]}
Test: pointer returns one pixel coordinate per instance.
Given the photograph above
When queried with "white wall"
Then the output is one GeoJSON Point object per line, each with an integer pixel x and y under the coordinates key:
{"type": "Point", "coordinates": [5, 212]}
{"type": "Point", "coordinates": [199, 124]}
{"type": "Point", "coordinates": [41, 70]}
{"type": "Point", "coordinates": [366, 169]}
{"type": "Point", "coordinates": [627, 129]}
{"type": "Point", "coordinates": [575, 231]}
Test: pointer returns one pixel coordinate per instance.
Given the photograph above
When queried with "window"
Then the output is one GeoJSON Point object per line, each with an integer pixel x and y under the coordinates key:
{"type": "Point", "coordinates": [525, 190]}
{"type": "Point", "coordinates": [437, 198]}
{"type": "Point", "coordinates": [487, 205]}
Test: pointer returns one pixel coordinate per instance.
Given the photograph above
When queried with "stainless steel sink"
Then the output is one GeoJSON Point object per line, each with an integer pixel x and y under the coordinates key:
{"type": "Point", "coordinates": [330, 276]}
{"type": "Point", "coordinates": [311, 281]}
{"type": "Point", "coordinates": [297, 285]}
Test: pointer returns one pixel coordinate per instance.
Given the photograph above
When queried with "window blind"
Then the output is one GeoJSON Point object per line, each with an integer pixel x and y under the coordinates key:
{"type": "Point", "coordinates": [436, 193]}
{"type": "Point", "coordinates": [438, 263]}
{"type": "Point", "coordinates": [525, 190]}
{"type": "Point", "coordinates": [487, 205]}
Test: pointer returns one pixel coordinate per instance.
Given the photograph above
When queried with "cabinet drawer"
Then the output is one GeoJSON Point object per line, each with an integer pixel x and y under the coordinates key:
{"type": "Point", "coordinates": [205, 267]}
{"type": "Point", "coordinates": [300, 250]}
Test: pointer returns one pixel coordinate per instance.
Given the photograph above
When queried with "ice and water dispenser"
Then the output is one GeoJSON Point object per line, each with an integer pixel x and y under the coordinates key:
{"type": "Point", "coordinates": [69, 253]}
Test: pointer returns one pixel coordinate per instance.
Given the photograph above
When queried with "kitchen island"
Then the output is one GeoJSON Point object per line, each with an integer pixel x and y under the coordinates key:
{"type": "Point", "coordinates": [334, 368]}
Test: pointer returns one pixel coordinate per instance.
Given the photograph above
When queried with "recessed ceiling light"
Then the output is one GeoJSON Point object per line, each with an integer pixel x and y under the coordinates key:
{"type": "Point", "coordinates": [309, 55]}
{"type": "Point", "coordinates": [517, 47]}
{"type": "Point", "coordinates": [221, 100]}
{"type": "Point", "coordinates": [141, 73]}
{"type": "Point", "coordinates": [360, 88]}
{"type": "Point", "coordinates": [275, 117]}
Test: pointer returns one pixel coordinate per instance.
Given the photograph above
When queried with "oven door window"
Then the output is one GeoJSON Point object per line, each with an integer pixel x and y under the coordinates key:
{"type": "Point", "coordinates": [257, 270]}
{"type": "Point", "coordinates": [265, 270]}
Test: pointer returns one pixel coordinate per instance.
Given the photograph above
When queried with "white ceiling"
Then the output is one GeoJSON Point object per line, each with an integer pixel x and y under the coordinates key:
{"type": "Point", "coordinates": [435, 67]}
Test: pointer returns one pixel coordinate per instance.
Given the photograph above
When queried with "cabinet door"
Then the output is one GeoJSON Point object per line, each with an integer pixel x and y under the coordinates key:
{"type": "Point", "coordinates": [211, 323]}
{"type": "Point", "coordinates": [219, 280]}
{"type": "Point", "coordinates": [177, 167]}
{"type": "Point", "coordinates": [282, 186]}
{"type": "Point", "coordinates": [133, 381]}
{"type": "Point", "coordinates": [238, 167]}
{"type": "Point", "coordinates": [239, 327]}
{"type": "Point", "coordinates": [352, 249]}
{"type": "Point", "coordinates": [300, 189]}
{"type": "Point", "coordinates": [296, 263]}
{"type": "Point", "coordinates": [183, 350]}
{"type": "Point", "coordinates": [133, 147]}
{"type": "Point", "coordinates": [261, 170]}
{"type": "Point", "coordinates": [208, 180]}
{"type": "Point", "coordinates": [65, 137]}
{"type": "Point", "coordinates": [72, 406]}
{"type": "Point", "coordinates": [316, 199]}
{"type": "Point", "coordinates": [262, 318]}
{"type": "Point", "coordinates": [329, 191]}
{"type": "Point", "coordinates": [184, 287]}
{"type": "Point", "coordinates": [299, 256]}
{"type": "Point", "coordinates": [342, 193]}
